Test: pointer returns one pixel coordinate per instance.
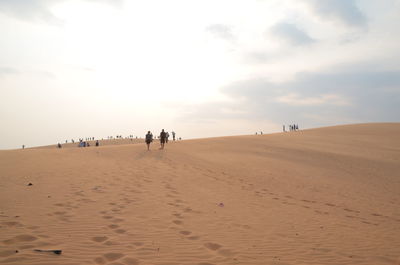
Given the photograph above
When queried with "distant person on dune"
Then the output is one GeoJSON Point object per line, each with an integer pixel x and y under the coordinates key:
{"type": "Point", "coordinates": [149, 139]}
{"type": "Point", "coordinates": [163, 137]}
{"type": "Point", "coordinates": [173, 135]}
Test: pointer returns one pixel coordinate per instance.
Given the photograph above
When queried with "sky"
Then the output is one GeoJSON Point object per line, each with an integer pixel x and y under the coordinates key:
{"type": "Point", "coordinates": [72, 69]}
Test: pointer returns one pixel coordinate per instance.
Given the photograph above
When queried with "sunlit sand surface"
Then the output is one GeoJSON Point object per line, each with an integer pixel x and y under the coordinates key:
{"type": "Point", "coordinates": [321, 196]}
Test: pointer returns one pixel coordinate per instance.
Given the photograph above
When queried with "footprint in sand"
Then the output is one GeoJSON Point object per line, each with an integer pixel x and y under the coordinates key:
{"type": "Point", "coordinates": [186, 233]}
{"type": "Point", "coordinates": [177, 222]}
{"type": "Point", "coordinates": [212, 246]}
{"type": "Point", "coordinates": [99, 239]}
{"type": "Point", "coordinates": [178, 215]}
{"type": "Point", "coordinates": [112, 256]}
{"type": "Point", "coordinates": [120, 231]}
{"type": "Point", "coordinates": [60, 213]}
{"type": "Point", "coordinates": [12, 224]}
{"type": "Point", "coordinates": [375, 214]}
{"type": "Point", "coordinates": [174, 204]}
{"type": "Point", "coordinates": [130, 261]}
{"type": "Point", "coordinates": [113, 226]}
{"type": "Point", "coordinates": [352, 211]}
{"type": "Point", "coordinates": [100, 260]}
{"type": "Point", "coordinates": [188, 210]}
{"type": "Point", "coordinates": [107, 217]}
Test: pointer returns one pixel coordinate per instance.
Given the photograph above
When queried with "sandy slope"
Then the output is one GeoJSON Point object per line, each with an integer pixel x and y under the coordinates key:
{"type": "Point", "coordinates": [323, 196]}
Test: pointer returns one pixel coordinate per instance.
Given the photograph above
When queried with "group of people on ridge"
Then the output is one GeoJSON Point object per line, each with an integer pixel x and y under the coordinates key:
{"type": "Point", "coordinates": [292, 127]}
{"type": "Point", "coordinates": [163, 138]}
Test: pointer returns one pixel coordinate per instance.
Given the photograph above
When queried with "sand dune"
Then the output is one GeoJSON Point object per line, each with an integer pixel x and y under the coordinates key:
{"type": "Point", "coordinates": [321, 196]}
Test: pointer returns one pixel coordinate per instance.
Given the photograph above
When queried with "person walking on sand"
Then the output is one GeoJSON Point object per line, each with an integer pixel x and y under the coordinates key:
{"type": "Point", "coordinates": [173, 135]}
{"type": "Point", "coordinates": [149, 139]}
{"type": "Point", "coordinates": [163, 137]}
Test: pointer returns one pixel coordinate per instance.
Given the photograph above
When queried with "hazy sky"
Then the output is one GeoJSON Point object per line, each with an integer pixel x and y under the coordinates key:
{"type": "Point", "coordinates": [79, 68]}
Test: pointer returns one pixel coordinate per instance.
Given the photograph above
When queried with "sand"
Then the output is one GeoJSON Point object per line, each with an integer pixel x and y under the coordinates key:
{"type": "Point", "coordinates": [321, 196]}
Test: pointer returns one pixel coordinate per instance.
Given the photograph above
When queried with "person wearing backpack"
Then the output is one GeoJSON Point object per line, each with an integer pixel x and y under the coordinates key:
{"type": "Point", "coordinates": [163, 137]}
{"type": "Point", "coordinates": [149, 139]}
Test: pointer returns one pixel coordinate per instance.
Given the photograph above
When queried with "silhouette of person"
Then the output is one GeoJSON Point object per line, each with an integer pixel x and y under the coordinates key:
{"type": "Point", "coordinates": [163, 137]}
{"type": "Point", "coordinates": [149, 139]}
{"type": "Point", "coordinates": [173, 135]}
{"type": "Point", "coordinates": [97, 143]}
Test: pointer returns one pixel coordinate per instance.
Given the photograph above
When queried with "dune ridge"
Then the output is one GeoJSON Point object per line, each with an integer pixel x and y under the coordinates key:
{"type": "Point", "coordinates": [321, 196]}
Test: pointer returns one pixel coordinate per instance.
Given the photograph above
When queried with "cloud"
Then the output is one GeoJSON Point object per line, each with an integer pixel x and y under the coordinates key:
{"type": "Point", "coordinates": [221, 31]}
{"type": "Point", "coordinates": [345, 11]}
{"type": "Point", "coordinates": [8, 70]}
{"type": "Point", "coordinates": [32, 10]}
{"type": "Point", "coordinates": [295, 99]}
{"type": "Point", "coordinates": [40, 10]}
{"type": "Point", "coordinates": [259, 57]}
{"type": "Point", "coordinates": [291, 34]}
{"type": "Point", "coordinates": [339, 95]}
{"type": "Point", "coordinates": [116, 3]}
